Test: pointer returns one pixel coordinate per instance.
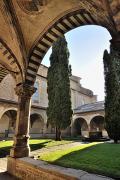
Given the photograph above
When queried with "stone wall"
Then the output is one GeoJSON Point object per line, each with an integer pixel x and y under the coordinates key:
{"type": "Point", "coordinates": [7, 88]}
{"type": "Point", "coordinates": [79, 96]}
{"type": "Point", "coordinates": [27, 168]}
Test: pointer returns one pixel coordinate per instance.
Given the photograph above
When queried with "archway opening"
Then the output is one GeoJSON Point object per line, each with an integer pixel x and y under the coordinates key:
{"type": "Point", "coordinates": [36, 125]}
{"type": "Point", "coordinates": [7, 123]}
{"type": "Point", "coordinates": [97, 126]}
{"type": "Point", "coordinates": [80, 127]}
{"type": "Point", "coordinates": [97, 123]}
{"type": "Point", "coordinates": [86, 45]}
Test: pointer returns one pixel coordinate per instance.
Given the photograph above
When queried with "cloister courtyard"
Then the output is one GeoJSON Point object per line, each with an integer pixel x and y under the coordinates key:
{"type": "Point", "coordinates": [84, 160]}
{"type": "Point", "coordinates": [88, 149]}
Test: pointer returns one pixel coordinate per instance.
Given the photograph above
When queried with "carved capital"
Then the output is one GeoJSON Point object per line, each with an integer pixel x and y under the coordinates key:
{"type": "Point", "coordinates": [25, 90]}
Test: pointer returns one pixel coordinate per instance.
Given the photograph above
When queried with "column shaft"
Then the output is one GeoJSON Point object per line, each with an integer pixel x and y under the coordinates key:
{"type": "Point", "coordinates": [21, 139]}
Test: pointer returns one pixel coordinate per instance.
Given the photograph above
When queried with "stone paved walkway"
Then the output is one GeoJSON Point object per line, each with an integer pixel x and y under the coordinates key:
{"type": "Point", "coordinates": [3, 167]}
{"type": "Point", "coordinates": [81, 174]}
{"type": "Point", "coordinates": [54, 148]}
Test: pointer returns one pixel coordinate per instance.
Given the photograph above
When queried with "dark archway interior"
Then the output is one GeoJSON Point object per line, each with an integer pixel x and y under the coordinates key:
{"type": "Point", "coordinates": [34, 117]}
{"type": "Point", "coordinates": [12, 114]}
{"type": "Point", "coordinates": [80, 125]}
{"type": "Point", "coordinates": [36, 123]}
{"type": "Point", "coordinates": [8, 121]}
{"type": "Point", "coordinates": [97, 123]}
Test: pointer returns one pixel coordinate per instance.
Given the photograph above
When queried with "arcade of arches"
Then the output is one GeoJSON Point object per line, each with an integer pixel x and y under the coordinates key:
{"type": "Point", "coordinates": [38, 117]}
{"type": "Point", "coordinates": [81, 127]}
{"type": "Point", "coordinates": [28, 29]}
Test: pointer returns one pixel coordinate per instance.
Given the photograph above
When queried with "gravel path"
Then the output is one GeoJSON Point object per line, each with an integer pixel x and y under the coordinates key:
{"type": "Point", "coordinates": [54, 148]}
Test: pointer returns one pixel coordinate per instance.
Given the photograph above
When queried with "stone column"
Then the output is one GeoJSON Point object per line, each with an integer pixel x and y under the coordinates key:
{"type": "Point", "coordinates": [88, 129]}
{"type": "Point", "coordinates": [21, 139]}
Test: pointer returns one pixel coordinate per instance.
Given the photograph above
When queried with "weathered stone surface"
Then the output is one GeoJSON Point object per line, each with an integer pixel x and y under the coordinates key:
{"type": "Point", "coordinates": [30, 27]}
{"type": "Point", "coordinates": [79, 96]}
{"type": "Point", "coordinates": [26, 37]}
{"type": "Point", "coordinates": [27, 168]}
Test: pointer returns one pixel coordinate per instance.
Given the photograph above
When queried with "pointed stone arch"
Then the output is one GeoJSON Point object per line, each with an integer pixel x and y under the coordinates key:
{"type": "Point", "coordinates": [58, 27]}
{"type": "Point", "coordinates": [9, 63]}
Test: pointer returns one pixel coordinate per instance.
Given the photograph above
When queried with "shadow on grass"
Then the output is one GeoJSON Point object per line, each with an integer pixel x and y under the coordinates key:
{"type": "Point", "coordinates": [103, 159]}
{"type": "Point", "coordinates": [4, 151]}
{"type": "Point", "coordinates": [36, 146]}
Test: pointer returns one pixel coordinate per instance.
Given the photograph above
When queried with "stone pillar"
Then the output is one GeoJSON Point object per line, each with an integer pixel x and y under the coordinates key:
{"type": "Point", "coordinates": [21, 144]}
{"type": "Point", "coordinates": [72, 127]}
{"type": "Point", "coordinates": [89, 128]}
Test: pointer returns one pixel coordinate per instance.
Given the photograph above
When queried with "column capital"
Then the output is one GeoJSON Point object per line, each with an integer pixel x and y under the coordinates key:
{"type": "Point", "coordinates": [25, 90]}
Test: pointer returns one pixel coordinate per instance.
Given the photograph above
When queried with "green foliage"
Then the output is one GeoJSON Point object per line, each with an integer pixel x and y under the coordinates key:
{"type": "Point", "coordinates": [98, 158]}
{"type": "Point", "coordinates": [112, 99]}
{"type": "Point", "coordinates": [35, 144]}
{"type": "Point", "coordinates": [59, 107]}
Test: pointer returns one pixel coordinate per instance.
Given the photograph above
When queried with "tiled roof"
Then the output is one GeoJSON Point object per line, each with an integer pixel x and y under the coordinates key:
{"type": "Point", "coordinates": [97, 106]}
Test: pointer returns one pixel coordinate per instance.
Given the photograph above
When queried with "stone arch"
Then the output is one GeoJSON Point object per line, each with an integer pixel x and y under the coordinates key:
{"type": "Point", "coordinates": [3, 72]}
{"type": "Point", "coordinates": [80, 127]}
{"type": "Point", "coordinates": [9, 63]}
{"type": "Point", "coordinates": [97, 124]}
{"type": "Point", "coordinates": [36, 124]}
{"type": "Point", "coordinates": [7, 109]}
{"type": "Point", "coordinates": [7, 122]}
{"type": "Point", "coordinates": [65, 22]}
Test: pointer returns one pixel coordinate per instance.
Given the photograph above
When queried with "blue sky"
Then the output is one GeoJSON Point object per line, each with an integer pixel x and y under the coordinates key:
{"type": "Point", "coordinates": [86, 45]}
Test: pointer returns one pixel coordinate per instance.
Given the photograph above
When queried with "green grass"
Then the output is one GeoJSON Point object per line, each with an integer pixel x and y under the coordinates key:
{"type": "Point", "coordinates": [34, 145]}
{"type": "Point", "coordinates": [101, 158]}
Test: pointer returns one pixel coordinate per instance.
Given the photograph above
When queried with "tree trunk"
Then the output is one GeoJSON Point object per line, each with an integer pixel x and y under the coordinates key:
{"type": "Point", "coordinates": [58, 134]}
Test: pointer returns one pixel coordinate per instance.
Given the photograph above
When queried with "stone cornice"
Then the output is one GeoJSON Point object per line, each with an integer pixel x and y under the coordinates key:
{"type": "Point", "coordinates": [7, 101]}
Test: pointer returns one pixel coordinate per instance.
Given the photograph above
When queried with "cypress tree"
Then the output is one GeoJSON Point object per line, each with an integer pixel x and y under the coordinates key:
{"type": "Point", "coordinates": [112, 90]}
{"type": "Point", "coordinates": [59, 106]}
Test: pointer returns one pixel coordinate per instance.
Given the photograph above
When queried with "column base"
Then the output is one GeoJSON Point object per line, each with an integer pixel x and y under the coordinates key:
{"type": "Point", "coordinates": [19, 152]}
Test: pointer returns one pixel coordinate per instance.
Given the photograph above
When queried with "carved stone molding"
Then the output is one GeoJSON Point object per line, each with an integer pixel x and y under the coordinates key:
{"type": "Point", "coordinates": [25, 90]}
{"type": "Point", "coordinates": [32, 6]}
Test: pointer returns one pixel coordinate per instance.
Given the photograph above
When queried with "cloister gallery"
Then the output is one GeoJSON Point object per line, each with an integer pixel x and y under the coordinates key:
{"type": "Point", "coordinates": [80, 97]}
{"type": "Point", "coordinates": [28, 29]}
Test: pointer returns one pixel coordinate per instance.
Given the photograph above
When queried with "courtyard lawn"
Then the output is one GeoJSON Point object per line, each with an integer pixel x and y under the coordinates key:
{"type": "Point", "coordinates": [101, 158]}
{"type": "Point", "coordinates": [34, 145]}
